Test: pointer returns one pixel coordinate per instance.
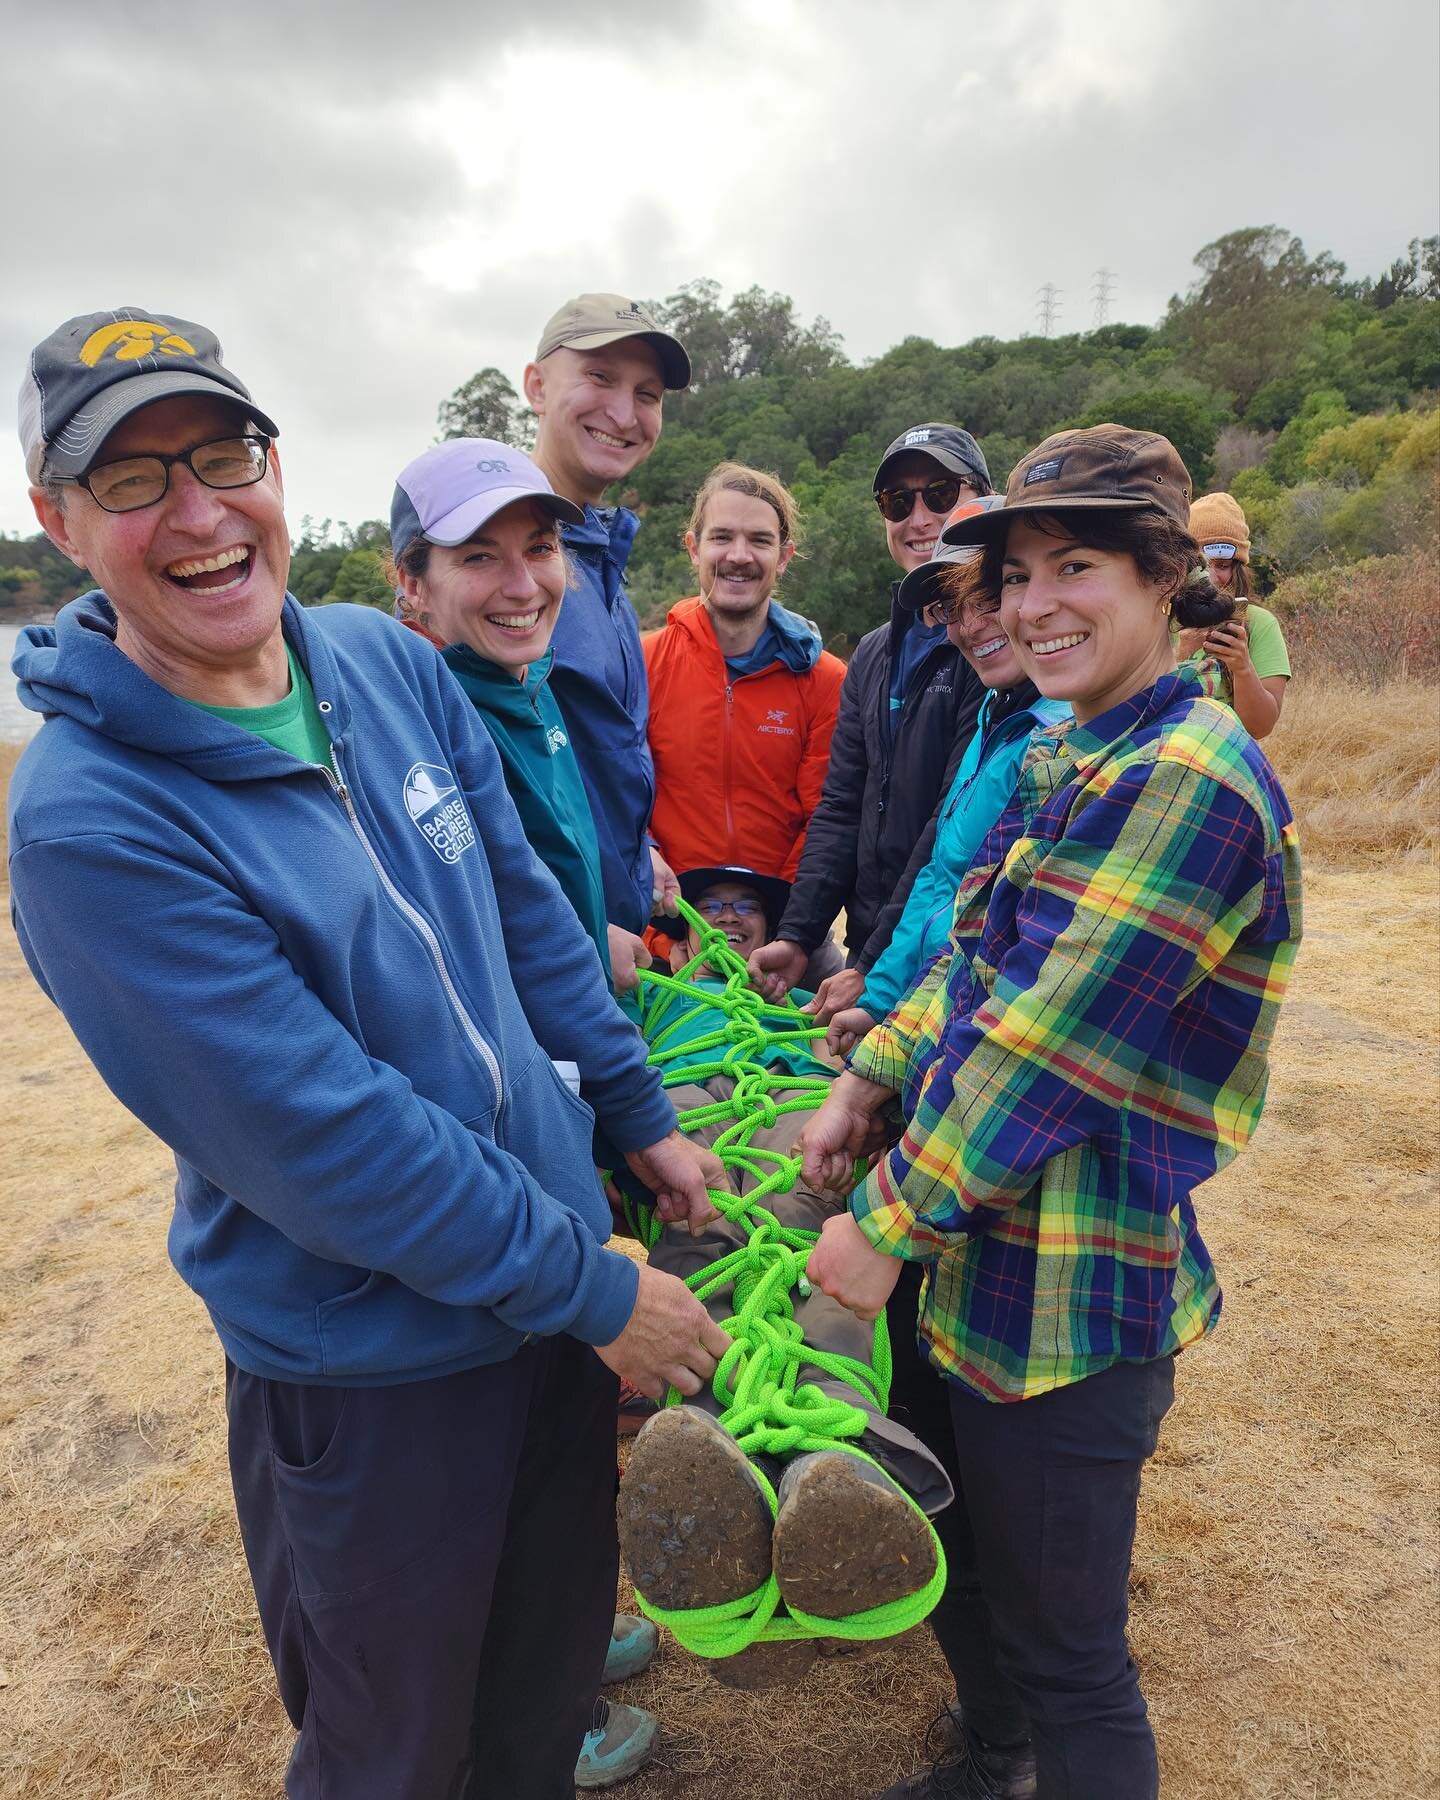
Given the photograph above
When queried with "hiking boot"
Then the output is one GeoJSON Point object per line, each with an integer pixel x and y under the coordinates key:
{"type": "Point", "coordinates": [846, 1537]}
{"type": "Point", "coordinates": [695, 1531]}
{"type": "Point", "coordinates": [633, 1642]}
{"type": "Point", "coordinates": [633, 1409]}
{"type": "Point", "coordinates": [620, 1741]}
{"type": "Point", "coordinates": [968, 1768]}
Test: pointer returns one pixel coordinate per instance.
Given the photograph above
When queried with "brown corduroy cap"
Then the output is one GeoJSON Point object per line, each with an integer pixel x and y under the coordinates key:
{"type": "Point", "coordinates": [590, 321]}
{"type": "Point", "coordinates": [1104, 468]}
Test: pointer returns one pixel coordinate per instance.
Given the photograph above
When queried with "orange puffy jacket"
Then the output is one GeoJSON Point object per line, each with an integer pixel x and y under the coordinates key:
{"type": "Point", "coordinates": [739, 761]}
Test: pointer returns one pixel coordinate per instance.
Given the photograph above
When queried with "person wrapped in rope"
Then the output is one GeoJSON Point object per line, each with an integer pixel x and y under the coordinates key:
{"type": "Point", "coordinates": [782, 1498]}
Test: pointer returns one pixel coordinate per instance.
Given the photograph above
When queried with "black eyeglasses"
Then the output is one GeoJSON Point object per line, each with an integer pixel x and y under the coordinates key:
{"type": "Point", "coordinates": [744, 908]}
{"type": "Point", "coordinates": [137, 481]}
{"type": "Point", "coordinates": [939, 496]}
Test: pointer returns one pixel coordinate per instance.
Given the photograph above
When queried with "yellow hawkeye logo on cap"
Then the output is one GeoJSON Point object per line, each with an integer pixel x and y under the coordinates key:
{"type": "Point", "coordinates": [131, 339]}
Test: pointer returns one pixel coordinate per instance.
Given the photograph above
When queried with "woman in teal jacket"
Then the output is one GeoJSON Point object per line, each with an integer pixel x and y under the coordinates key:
{"type": "Point", "coordinates": [1012, 712]}
{"type": "Point", "coordinates": [475, 535]}
{"type": "Point", "coordinates": [481, 569]}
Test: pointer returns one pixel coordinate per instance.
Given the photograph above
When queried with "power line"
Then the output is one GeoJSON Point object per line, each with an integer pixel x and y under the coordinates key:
{"type": "Point", "coordinates": [1103, 293]}
{"type": "Point", "coordinates": [1049, 307]}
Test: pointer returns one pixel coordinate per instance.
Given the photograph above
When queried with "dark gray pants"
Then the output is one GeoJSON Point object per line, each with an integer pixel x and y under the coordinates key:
{"type": "Point", "coordinates": [435, 1567]}
{"type": "Point", "coordinates": [1049, 1487]}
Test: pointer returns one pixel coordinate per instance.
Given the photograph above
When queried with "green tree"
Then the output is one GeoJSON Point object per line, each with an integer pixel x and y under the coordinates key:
{"type": "Point", "coordinates": [486, 406]}
{"type": "Point", "coordinates": [1246, 321]}
{"type": "Point", "coordinates": [13, 578]}
{"type": "Point", "coordinates": [361, 580]}
{"type": "Point", "coordinates": [1191, 424]}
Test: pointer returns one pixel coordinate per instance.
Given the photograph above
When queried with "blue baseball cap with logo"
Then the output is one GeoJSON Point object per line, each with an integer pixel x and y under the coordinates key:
{"type": "Point", "coordinates": [98, 368]}
{"type": "Point", "coordinates": [450, 491]}
{"type": "Point", "coordinates": [949, 445]}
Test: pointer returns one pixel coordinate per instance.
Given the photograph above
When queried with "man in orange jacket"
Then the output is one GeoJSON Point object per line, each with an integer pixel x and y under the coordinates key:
{"type": "Point", "coordinates": [742, 696]}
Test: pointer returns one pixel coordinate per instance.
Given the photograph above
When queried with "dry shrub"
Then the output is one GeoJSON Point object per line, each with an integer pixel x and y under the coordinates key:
{"type": "Point", "coordinates": [1370, 622]}
{"type": "Point", "coordinates": [1362, 769]}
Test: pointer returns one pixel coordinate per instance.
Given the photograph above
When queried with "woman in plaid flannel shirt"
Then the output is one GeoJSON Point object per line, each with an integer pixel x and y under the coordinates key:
{"type": "Point", "coordinates": [1093, 1045]}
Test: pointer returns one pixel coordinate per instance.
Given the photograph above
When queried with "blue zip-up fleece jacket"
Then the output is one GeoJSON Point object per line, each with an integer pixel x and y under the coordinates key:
{"type": "Point", "coordinates": [304, 983]}
{"type": "Point", "coordinates": [599, 679]}
{"type": "Point", "coordinates": [979, 791]}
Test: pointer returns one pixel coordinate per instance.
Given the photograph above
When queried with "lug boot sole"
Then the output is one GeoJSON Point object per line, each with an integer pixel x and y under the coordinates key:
{"type": "Point", "coordinates": [843, 1543]}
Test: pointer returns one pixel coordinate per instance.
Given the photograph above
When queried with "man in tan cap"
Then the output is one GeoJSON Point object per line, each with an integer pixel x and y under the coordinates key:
{"type": "Point", "coordinates": [596, 385]}
{"type": "Point", "coordinates": [599, 377]}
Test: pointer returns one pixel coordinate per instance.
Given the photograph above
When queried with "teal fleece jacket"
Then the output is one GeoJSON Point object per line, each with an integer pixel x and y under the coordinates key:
{"type": "Point", "coordinates": [542, 775]}
{"type": "Point", "coordinates": [982, 785]}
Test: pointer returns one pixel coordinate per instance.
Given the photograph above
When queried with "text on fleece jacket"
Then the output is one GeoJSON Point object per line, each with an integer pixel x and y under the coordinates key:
{"type": "Point", "coordinates": [739, 761]}
{"type": "Point", "coordinates": [305, 984]}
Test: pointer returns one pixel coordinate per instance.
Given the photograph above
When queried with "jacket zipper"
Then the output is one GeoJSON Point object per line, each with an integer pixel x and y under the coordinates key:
{"type": "Point", "coordinates": [727, 764]}
{"type": "Point", "coordinates": [422, 925]}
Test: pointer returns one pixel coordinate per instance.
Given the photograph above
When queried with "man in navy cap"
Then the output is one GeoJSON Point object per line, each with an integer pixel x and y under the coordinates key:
{"type": "Point", "coordinates": [907, 710]}
{"type": "Point", "coordinates": [257, 857]}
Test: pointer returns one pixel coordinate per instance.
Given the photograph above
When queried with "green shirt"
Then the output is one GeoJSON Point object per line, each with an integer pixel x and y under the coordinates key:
{"type": "Point", "coordinates": [1266, 645]}
{"type": "Point", "coordinates": [1267, 642]}
{"type": "Point", "coordinates": [293, 724]}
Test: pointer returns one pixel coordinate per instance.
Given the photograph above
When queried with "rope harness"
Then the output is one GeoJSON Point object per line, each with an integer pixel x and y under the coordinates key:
{"type": "Point", "coordinates": [764, 1405]}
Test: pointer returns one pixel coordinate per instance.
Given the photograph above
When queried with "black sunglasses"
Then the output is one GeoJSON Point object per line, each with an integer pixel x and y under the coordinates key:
{"type": "Point", "coordinates": [136, 481]}
{"type": "Point", "coordinates": [939, 496]}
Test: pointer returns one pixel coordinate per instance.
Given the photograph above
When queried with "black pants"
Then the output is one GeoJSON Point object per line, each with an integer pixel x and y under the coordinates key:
{"type": "Point", "coordinates": [920, 1399]}
{"type": "Point", "coordinates": [1050, 1487]}
{"type": "Point", "coordinates": [435, 1567]}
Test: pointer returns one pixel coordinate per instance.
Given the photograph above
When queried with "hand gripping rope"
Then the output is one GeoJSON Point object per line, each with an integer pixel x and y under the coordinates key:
{"type": "Point", "coordinates": [765, 1408]}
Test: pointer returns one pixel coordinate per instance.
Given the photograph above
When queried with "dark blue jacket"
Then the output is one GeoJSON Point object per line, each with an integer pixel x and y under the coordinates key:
{"type": "Point", "coordinates": [599, 680]}
{"type": "Point", "coordinates": [303, 981]}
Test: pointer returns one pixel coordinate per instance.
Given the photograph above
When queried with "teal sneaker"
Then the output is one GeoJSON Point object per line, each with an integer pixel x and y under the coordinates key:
{"type": "Point", "coordinates": [619, 1743]}
{"type": "Point", "coordinates": [633, 1643]}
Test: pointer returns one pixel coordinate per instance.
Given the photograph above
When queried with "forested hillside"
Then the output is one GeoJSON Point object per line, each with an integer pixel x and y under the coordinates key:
{"type": "Point", "coordinates": [1313, 396]}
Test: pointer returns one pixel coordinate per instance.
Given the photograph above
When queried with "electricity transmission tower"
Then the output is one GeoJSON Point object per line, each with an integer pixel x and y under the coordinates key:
{"type": "Point", "coordinates": [1103, 292]}
{"type": "Point", "coordinates": [1049, 307]}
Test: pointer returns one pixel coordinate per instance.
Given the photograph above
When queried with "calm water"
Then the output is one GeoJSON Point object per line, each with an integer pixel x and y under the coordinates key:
{"type": "Point", "coordinates": [16, 723]}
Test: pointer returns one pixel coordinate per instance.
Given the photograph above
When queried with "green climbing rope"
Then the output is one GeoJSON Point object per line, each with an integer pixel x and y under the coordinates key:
{"type": "Point", "coordinates": [764, 1405]}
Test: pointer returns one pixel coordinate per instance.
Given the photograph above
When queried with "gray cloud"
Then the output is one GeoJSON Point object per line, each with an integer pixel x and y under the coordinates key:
{"type": "Point", "coordinates": [368, 203]}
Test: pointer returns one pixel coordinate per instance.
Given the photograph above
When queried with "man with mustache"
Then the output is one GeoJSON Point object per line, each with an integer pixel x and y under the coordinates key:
{"type": "Point", "coordinates": [742, 696]}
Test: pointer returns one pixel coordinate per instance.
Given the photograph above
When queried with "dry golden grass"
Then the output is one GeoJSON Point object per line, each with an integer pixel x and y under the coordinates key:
{"type": "Point", "coordinates": [1284, 1587]}
{"type": "Point", "coordinates": [1362, 769]}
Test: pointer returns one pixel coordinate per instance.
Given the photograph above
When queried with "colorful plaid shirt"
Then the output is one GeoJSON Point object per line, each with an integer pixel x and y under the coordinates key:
{"type": "Point", "coordinates": [1092, 1047]}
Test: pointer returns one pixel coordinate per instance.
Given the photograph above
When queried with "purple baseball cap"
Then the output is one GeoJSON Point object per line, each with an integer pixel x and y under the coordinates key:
{"type": "Point", "coordinates": [450, 491]}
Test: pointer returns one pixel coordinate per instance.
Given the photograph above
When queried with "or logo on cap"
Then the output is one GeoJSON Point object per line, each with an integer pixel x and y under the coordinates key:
{"type": "Point", "coordinates": [922, 436]}
{"type": "Point", "coordinates": [1048, 470]}
{"type": "Point", "coordinates": [493, 467]}
{"type": "Point", "coordinates": [634, 313]}
{"type": "Point", "coordinates": [131, 339]}
{"type": "Point", "coordinates": [1218, 551]}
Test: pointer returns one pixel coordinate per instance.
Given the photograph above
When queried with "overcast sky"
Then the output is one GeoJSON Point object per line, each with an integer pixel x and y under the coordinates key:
{"type": "Point", "coordinates": [368, 202]}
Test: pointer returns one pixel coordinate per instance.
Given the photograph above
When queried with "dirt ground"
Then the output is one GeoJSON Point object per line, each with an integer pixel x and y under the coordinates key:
{"type": "Point", "coordinates": [1284, 1586]}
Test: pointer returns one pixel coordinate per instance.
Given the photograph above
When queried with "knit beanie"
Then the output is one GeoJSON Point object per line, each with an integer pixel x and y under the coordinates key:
{"type": "Point", "coordinates": [1219, 519]}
